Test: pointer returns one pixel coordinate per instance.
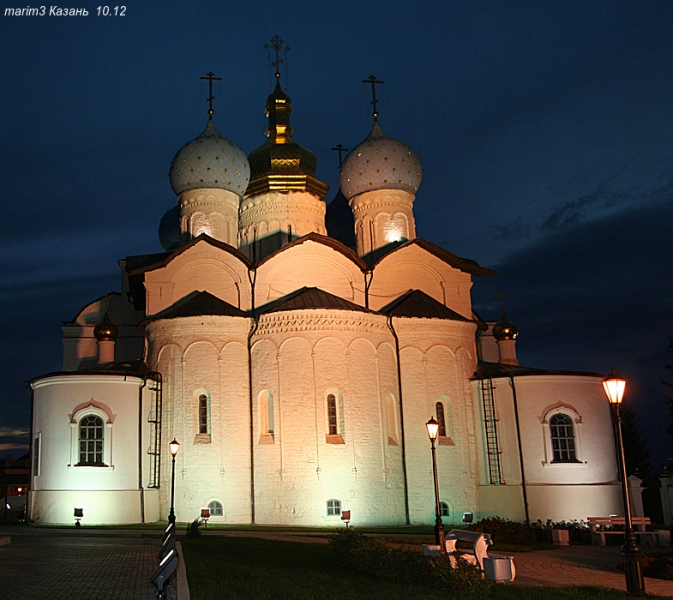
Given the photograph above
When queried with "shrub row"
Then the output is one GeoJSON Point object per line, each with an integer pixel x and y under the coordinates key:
{"type": "Point", "coordinates": [377, 557]}
{"type": "Point", "coordinates": [513, 532]}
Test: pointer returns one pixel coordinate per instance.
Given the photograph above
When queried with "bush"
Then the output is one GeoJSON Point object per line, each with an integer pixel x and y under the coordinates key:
{"type": "Point", "coordinates": [502, 530]}
{"type": "Point", "coordinates": [375, 556]}
{"type": "Point", "coordinates": [193, 528]}
{"type": "Point", "coordinates": [658, 565]}
{"type": "Point", "coordinates": [579, 530]}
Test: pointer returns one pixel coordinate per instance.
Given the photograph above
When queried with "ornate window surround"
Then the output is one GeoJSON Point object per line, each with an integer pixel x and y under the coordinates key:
{"type": "Point", "coordinates": [548, 455]}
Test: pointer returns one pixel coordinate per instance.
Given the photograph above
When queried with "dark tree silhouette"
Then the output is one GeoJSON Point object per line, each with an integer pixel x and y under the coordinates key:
{"type": "Point", "coordinates": [636, 448]}
{"type": "Point", "coordinates": [669, 386]}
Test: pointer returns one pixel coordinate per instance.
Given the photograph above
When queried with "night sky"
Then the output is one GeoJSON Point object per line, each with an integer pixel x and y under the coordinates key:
{"type": "Point", "coordinates": [544, 129]}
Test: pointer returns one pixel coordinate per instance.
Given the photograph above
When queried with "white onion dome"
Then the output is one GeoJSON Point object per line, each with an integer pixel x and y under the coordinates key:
{"type": "Point", "coordinates": [378, 163]}
{"type": "Point", "coordinates": [210, 161]}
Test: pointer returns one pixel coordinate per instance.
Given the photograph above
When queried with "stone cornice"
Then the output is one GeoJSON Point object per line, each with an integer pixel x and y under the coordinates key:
{"type": "Point", "coordinates": [318, 320]}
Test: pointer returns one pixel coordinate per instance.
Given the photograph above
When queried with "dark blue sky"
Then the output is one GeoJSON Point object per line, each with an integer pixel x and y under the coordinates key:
{"type": "Point", "coordinates": [545, 132]}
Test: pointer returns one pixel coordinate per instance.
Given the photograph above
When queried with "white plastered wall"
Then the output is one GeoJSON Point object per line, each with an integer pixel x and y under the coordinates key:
{"type": "Point", "coordinates": [555, 490]}
{"type": "Point", "coordinates": [201, 267]}
{"type": "Point", "coordinates": [300, 358]}
{"type": "Point", "coordinates": [108, 494]}
{"type": "Point", "coordinates": [309, 264]}
{"type": "Point", "coordinates": [412, 267]}
{"type": "Point", "coordinates": [437, 358]}
{"type": "Point", "coordinates": [205, 356]}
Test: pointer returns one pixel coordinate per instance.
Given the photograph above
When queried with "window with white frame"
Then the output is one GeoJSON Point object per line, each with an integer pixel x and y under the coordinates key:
{"type": "Point", "coordinates": [333, 508]}
{"type": "Point", "coordinates": [562, 433]}
{"type": "Point", "coordinates": [443, 509]}
{"type": "Point", "coordinates": [215, 508]}
{"type": "Point", "coordinates": [91, 439]}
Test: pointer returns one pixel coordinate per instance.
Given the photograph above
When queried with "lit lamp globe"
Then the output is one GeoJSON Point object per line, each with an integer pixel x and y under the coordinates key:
{"type": "Point", "coordinates": [433, 428]}
{"type": "Point", "coordinates": [175, 447]}
{"type": "Point", "coordinates": [614, 386]}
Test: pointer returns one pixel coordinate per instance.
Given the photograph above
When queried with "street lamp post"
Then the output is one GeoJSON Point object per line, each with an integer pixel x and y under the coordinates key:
{"type": "Point", "coordinates": [433, 429]}
{"type": "Point", "coordinates": [174, 447]}
{"type": "Point", "coordinates": [635, 584]}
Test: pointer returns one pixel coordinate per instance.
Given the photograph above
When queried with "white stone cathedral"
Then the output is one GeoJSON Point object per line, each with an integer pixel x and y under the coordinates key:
{"type": "Point", "coordinates": [297, 364]}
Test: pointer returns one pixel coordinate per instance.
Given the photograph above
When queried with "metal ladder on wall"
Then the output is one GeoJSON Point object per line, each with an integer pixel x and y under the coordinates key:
{"type": "Point", "coordinates": [491, 429]}
{"type": "Point", "coordinates": [154, 420]}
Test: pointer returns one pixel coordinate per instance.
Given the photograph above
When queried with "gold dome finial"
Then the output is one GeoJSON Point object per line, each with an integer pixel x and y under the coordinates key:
{"type": "Point", "coordinates": [281, 164]}
{"type": "Point", "coordinates": [505, 329]}
{"type": "Point", "coordinates": [106, 331]}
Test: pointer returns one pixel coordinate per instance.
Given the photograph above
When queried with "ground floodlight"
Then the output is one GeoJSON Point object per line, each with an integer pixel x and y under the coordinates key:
{"type": "Point", "coordinates": [79, 514]}
{"type": "Point", "coordinates": [161, 576]}
{"type": "Point", "coordinates": [170, 530]}
{"type": "Point", "coordinates": [166, 547]}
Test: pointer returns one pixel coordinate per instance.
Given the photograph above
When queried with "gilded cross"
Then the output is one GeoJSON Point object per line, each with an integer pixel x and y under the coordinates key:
{"type": "Point", "coordinates": [372, 79]}
{"type": "Point", "coordinates": [211, 77]}
{"type": "Point", "coordinates": [277, 45]}
{"type": "Point", "coordinates": [340, 149]}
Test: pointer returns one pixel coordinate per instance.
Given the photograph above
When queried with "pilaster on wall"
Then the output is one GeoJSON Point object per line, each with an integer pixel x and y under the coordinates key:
{"type": "Point", "coordinates": [211, 211]}
{"type": "Point", "coordinates": [382, 217]}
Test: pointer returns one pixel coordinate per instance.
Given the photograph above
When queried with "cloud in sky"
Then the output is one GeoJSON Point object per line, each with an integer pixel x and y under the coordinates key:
{"type": "Point", "coordinates": [13, 432]}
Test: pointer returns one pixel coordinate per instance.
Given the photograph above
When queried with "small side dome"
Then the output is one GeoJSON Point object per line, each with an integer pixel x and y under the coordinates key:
{"type": "Point", "coordinates": [379, 163]}
{"type": "Point", "coordinates": [106, 331]}
{"type": "Point", "coordinates": [170, 235]}
{"type": "Point", "coordinates": [210, 161]}
{"type": "Point", "coordinates": [505, 329]}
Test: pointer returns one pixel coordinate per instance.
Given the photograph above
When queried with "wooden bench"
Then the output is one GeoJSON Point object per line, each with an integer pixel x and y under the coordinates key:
{"type": "Point", "coordinates": [639, 524]}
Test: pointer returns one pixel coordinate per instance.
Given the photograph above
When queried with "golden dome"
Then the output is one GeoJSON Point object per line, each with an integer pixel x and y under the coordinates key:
{"type": "Point", "coordinates": [106, 331]}
{"type": "Point", "coordinates": [281, 164]}
{"type": "Point", "coordinates": [505, 329]}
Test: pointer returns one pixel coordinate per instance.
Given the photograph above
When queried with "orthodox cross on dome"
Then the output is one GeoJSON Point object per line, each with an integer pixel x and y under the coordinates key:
{"type": "Point", "coordinates": [277, 47]}
{"type": "Point", "coordinates": [211, 77]}
{"type": "Point", "coordinates": [340, 149]}
{"type": "Point", "coordinates": [372, 79]}
{"type": "Point", "coordinates": [502, 301]}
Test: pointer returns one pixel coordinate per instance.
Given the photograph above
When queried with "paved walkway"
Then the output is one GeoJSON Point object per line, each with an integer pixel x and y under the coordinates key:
{"type": "Point", "coordinates": [580, 565]}
{"type": "Point", "coordinates": [78, 567]}
{"type": "Point", "coordinates": [115, 565]}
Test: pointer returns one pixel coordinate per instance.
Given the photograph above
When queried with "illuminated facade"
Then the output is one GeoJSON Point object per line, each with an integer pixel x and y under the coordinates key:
{"type": "Point", "coordinates": [298, 373]}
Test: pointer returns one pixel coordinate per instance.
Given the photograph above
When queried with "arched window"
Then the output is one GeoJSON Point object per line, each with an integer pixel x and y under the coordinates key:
{"type": "Point", "coordinates": [391, 418]}
{"type": "Point", "coordinates": [562, 438]}
{"type": "Point", "coordinates": [443, 509]}
{"type": "Point", "coordinates": [265, 415]}
{"type": "Point", "coordinates": [332, 416]}
{"type": "Point", "coordinates": [215, 508]}
{"type": "Point", "coordinates": [333, 508]}
{"type": "Point", "coordinates": [439, 407]}
{"type": "Point", "coordinates": [203, 413]}
{"type": "Point", "coordinates": [91, 440]}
